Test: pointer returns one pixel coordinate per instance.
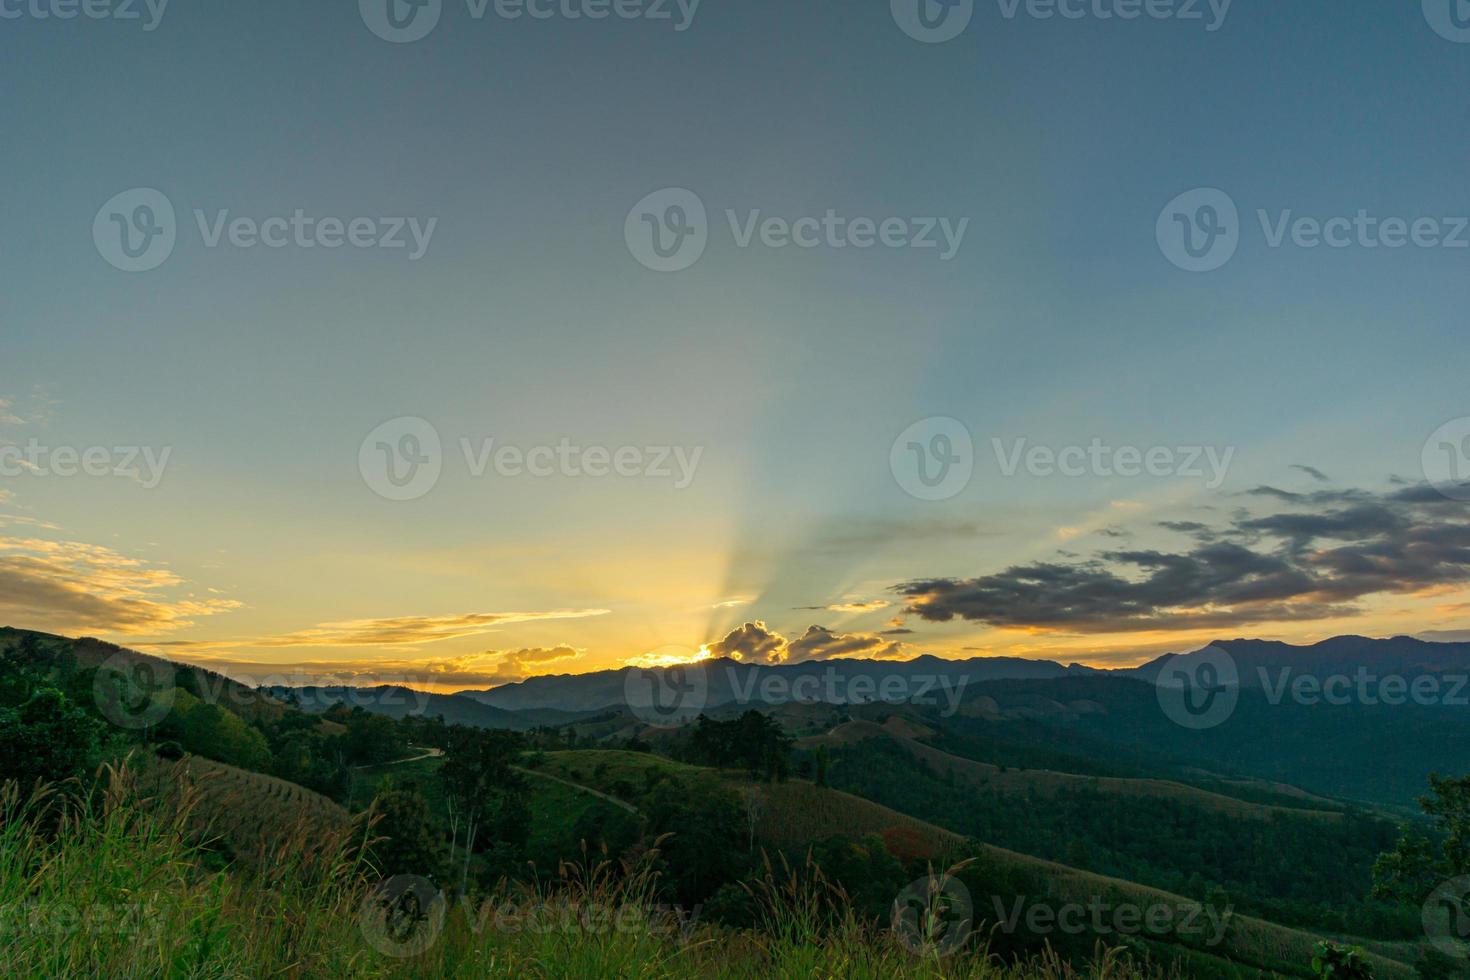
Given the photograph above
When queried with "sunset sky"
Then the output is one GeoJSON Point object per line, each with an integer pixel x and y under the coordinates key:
{"type": "Point", "coordinates": [782, 376]}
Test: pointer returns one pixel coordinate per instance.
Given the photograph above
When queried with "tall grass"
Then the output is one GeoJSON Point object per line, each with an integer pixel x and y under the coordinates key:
{"type": "Point", "coordinates": [114, 882]}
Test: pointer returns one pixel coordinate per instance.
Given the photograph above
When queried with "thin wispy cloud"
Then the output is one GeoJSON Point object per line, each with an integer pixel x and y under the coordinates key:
{"type": "Point", "coordinates": [405, 630]}
{"type": "Point", "coordinates": [853, 606]}
{"type": "Point", "coordinates": [490, 668]}
{"type": "Point", "coordinates": [35, 410]}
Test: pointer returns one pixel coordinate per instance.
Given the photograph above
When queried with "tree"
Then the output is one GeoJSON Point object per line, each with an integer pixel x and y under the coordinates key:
{"type": "Point", "coordinates": [217, 733]}
{"type": "Point", "coordinates": [47, 738]}
{"type": "Point", "coordinates": [1417, 864]}
{"type": "Point", "coordinates": [753, 741]}
{"type": "Point", "coordinates": [823, 760]}
{"type": "Point", "coordinates": [409, 843]}
{"type": "Point", "coordinates": [483, 790]}
{"type": "Point", "coordinates": [705, 819]}
{"type": "Point", "coordinates": [373, 739]}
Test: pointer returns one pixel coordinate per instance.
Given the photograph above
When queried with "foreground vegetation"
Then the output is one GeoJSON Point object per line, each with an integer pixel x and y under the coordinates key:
{"type": "Point", "coordinates": [230, 834]}
{"type": "Point", "coordinates": [105, 885]}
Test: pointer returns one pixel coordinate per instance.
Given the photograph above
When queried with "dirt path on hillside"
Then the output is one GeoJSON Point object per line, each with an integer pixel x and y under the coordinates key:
{"type": "Point", "coordinates": [429, 754]}
{"type": "Point", "coordinates": [578, 786]}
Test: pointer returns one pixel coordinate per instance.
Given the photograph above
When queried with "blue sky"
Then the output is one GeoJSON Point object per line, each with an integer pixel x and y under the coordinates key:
{"type": "Point", "coordinates": [528, 320]}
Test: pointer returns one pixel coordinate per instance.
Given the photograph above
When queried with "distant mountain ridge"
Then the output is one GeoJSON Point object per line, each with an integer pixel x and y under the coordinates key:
{"type": "Point", "coordinates": [733, 680]}
{"type": "Point", "coordinates": [397, 701]}
{"type": "Point", "coordinates": [1339, 655]}
{"type": "Point", "coordinates": [727, 678]}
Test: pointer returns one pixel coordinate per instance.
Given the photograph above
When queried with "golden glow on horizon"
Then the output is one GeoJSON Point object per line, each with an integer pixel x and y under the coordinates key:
{"type": "Point", "coordinates": [670, 657]}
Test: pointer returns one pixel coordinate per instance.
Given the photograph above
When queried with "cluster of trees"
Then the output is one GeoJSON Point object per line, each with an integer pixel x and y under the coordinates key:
{"type": "Point", "coordinates": [754, 742]}
{"type": "Point", "coordinates": [46, 733]}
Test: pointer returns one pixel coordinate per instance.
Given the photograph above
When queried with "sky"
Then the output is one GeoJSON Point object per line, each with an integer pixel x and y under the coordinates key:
{"type": "Point", "coordinates": [333, 349]}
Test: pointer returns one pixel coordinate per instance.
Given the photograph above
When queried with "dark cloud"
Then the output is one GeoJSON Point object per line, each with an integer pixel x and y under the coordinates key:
{"type": "Point", "coordinates": [1195, 529]}
{"type": "Point", "coordinates": [1311, 471]}
{"type": "Point", "coordinates": [1314, 559]}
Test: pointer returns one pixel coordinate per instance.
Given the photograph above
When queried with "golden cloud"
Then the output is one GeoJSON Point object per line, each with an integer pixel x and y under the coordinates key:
{"type": "Point", "coordinates": [72, 587]}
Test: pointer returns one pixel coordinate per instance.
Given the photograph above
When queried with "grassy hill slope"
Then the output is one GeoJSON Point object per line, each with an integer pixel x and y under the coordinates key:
{"type": "Point", "coordinates": [1041, 782]}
